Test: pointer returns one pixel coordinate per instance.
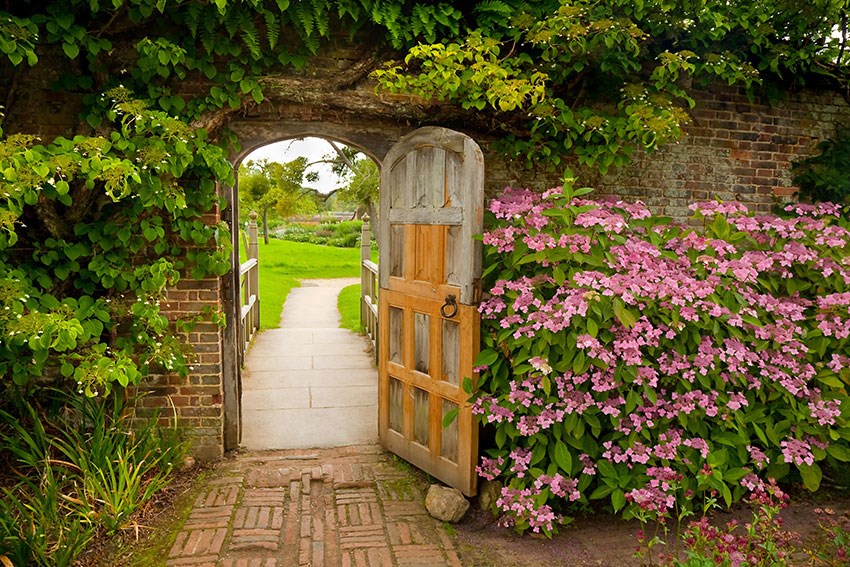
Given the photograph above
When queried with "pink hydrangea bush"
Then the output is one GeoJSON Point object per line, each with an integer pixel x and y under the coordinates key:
{"type": "Point", "coordinates": [625, 355]}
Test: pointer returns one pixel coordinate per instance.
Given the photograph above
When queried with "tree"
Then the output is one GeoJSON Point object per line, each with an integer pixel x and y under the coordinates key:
{"type": "Point", "coordinates": [362, 184]}
{"type": "Point", "coordinates": [279, 187]}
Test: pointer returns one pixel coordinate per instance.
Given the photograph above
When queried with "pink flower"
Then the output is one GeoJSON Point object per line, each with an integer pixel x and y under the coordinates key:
{"type": "Point", "coordinates": [796, 451]}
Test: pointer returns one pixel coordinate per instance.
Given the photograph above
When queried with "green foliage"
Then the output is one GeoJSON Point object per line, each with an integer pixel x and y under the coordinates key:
{"type": "Point", "coordinates": [95, 228]}
{"type": "Point", "coordinates": [362, 184]}
{"type": "Point", "coordinates": [277, 188]}
{"type": "Point", "coordinates": [826, 177]}
{"type": "Point", "coordinates": [343, 234]}
{"type": "Point", "coordinates": [595, 80]}
{"type": "Point", "coordinates": [79, 474]}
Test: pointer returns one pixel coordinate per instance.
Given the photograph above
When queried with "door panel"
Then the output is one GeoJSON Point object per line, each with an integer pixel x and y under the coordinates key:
{"type": "Point", "coordinates": [431, 207]}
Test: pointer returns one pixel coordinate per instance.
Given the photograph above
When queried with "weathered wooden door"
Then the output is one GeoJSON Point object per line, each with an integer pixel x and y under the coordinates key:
{"type": "Point", "coordinates": [432, 199]}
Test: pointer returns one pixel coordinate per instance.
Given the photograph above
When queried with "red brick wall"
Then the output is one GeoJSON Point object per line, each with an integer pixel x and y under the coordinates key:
{"type": "Point", "coordinates": [197, 398]}
{"type": "Point", "coordinates": [732, 150]}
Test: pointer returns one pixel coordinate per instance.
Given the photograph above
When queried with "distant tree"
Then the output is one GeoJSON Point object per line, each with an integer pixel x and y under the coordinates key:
{"type": "Point", "coordinates": [277, 187]}
{"type": "Point", "coordinates": [362, 182]}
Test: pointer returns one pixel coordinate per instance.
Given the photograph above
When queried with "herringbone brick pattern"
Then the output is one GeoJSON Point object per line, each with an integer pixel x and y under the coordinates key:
{"type": "Point", "coordinates": [349, 506]}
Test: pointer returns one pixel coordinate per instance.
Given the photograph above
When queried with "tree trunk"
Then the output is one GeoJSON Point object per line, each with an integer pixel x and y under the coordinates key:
{"type": "Point", "coordinates": [265, 225]}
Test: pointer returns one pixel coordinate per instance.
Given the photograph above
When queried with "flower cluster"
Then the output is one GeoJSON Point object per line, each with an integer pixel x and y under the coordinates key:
{"type": "Point", "coordinates": [621, 350]}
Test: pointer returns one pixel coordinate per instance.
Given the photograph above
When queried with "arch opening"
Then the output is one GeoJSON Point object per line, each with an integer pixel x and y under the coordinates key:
{"type": "Point", "coordinates": [294, 159]}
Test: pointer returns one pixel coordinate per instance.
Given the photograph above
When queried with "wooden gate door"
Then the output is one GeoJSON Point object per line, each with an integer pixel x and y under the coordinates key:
{"type": "Point", "coordinates": [432, 199]}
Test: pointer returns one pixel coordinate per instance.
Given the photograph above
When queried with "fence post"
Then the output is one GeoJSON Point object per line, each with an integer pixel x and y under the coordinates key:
{"type": "Point", "coordinates": [365, 254]}
{"type": "Point", "coordinates": [254, 252]}
{"type": "Point", "coordinates": [253, 242]}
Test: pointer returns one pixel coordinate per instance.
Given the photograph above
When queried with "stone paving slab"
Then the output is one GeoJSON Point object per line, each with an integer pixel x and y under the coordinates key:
{"type": "Point", "coordinates": [326, 507]}
{"type": "Point", "coordinates": [271, 379]}
{"type": "Point", "coordinates": [306, 428]}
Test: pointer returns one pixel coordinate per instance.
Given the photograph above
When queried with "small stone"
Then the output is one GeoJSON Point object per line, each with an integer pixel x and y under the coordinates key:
{"type": "Point", "coordinates": [446, 504]}
{"type": "Point", "coordinates": [489, 492]}
{"type": "Point", "coordinates": [187, 464]}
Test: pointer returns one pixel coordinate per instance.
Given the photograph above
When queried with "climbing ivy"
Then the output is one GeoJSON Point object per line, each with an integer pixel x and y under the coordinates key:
{"type": "Point", "coordinates": [593, 80]}
{"type": "Point", "coordinates": [95, 226]}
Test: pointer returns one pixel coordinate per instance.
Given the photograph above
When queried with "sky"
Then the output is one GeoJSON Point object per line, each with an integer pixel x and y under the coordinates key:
{"type": "Point", "coordinates": [313, 148]}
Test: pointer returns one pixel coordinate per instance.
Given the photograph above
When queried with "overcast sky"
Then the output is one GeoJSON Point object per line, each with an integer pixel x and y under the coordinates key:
{"type": "Point", "coordinates": [313, 148]}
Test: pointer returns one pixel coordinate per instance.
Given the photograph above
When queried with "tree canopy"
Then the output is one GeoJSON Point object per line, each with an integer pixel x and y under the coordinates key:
{"type": "Point", "coordinates": [267, 186]}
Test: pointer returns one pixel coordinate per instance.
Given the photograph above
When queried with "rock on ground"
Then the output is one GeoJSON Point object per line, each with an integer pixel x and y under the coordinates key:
{"type": "Point", "coordinates": [446, 504]}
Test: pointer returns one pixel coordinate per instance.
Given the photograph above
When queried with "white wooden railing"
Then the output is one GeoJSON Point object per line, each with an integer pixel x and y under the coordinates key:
{"type": "Point", "coordinates": [249, 288]}
{"type": "Point", "coordinates": [368, 286]}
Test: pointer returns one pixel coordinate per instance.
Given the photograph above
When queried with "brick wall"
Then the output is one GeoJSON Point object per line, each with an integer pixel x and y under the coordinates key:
{"type": "Point", "coordinates": [733, 150]}
{"type": "Point", "coordinates": [196, 398]}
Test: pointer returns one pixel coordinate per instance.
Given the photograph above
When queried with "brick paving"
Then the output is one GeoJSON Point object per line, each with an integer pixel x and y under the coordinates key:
{"type": "Point", "coordinates": [346, 506]}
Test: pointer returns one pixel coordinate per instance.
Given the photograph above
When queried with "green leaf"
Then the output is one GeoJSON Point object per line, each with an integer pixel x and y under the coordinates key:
{"type": "Point", "coordinates": [606, 469]}
{"type": "Point", "coordinates": [450, 416]}
{"type": "Point", "coordinates": [626, 317]}
{"type": "Point", "coordinates": [71, 50]}
{"type": "Point", "coordinates": [558, 275]}
{"type": "Point", "coordinates": [563, 457]}
{"type": "Point", "coordinates": [601, 491]}
{"type": "Point", "coordinates": [812, 476]}
{"type": "Point", "coordinates": [486, 357]}
{"type": "Point", "coordinates": [618, 500]}
{"type": "Point", "coordinates": [839, 452]}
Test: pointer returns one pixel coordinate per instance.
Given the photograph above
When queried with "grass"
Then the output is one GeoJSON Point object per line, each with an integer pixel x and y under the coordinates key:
{"type": "Point", "coordinates": [349, 308]}
{"type": "Point", "coordinates": [283, 263]}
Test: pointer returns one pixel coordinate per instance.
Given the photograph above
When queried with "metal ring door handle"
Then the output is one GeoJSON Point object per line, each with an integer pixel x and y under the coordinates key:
{"type": "Point", "coordinates": [451, 303]}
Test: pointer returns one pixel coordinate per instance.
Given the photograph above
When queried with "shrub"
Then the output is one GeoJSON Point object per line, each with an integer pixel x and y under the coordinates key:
{"type": "Point", "coordinates": [826, 176]}
{"type": "Point", "coordinates": [79, 475]}
{"type": "Point", "coordinates": [344, 234]}
{"type": "Point", "coordinates": [623, 354]}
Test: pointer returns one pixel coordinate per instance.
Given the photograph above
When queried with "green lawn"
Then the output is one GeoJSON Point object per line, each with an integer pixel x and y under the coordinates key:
{"type": "Point", "coordinates": [283, 263]}
{"type": "Point", "coordinates": [349, 308]}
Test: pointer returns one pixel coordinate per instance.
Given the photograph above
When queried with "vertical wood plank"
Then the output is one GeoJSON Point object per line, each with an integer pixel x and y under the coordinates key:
{"type": "Point", "coordinates": [449, 435]}
{"type": "Point", "coordinates": [396, 330]}
{"type": "Point", "coordinates": [413, 188]}
{"type": "Point", "coordinates": [407, 357]}
{"type": "Point", "coordinates": [451, 251]}
{"type": "Point", "coordinates": [422, 343]}
{"type": "Point", "coordinates": [422, 417]}
{"type": "Point", "coordinates": [396, 248]}
{"type": "Point", "coordinates": [396, 405]}
{"type": "Point", "coordinates": [409, 246]}
{"type": "Point", "coordinates": [451, 352]}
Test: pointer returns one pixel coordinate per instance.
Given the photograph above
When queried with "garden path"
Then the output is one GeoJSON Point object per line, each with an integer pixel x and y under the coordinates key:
{"type": "Point", "coordinates": [309, 383]}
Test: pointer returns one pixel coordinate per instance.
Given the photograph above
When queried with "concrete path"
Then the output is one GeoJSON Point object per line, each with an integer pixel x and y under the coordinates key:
{"type": "Point", "coordinates": [309, 383]}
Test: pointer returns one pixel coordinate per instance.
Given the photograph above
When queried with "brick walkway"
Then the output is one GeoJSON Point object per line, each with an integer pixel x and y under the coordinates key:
{"type": "Point", "coordinates": [349, 506]}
